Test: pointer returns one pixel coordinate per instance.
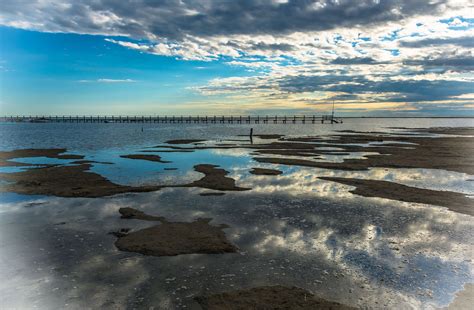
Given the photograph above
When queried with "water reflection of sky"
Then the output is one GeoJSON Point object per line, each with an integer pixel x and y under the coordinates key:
{"type": "Point", "coordinates": [291, 229]}
{"type": "Point", "coordinates": [353, 250]}
{"type": "Point", "coordinates": [138, 172]}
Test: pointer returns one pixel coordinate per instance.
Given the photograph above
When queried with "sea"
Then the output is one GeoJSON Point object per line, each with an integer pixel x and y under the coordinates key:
{"type": "Point", "coordinates": [292, 230]}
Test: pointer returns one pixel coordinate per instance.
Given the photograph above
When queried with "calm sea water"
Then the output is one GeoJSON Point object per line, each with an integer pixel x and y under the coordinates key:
{"type": "Point", "coordinates": [96, 136]}
{"type": "Point", "coordinates": [294, 229]}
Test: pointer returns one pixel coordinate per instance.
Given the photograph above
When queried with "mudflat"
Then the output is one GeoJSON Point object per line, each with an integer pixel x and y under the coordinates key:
{"type": "Point", "coordinates": [215, 178]}
{"type": "Point", "coordinates": [383, 189]}
{"type": "Point", "coordinates": [263, 171]}
{"type": "Point", "coordinates": [77, 181]}
{"type": "Point", "coordinates": [268, 297]}
{"type": "Point", "coordinates": [173, 238]}
{"type": "Point", "coordinates": [155, 158]}
{"type": "Point", "coordinates": [446, 153]}
{"type": "Point", "coordinates": [65, 181]}
{"type": "Point", "coordinates": [184, 141]}
{"type": "Point", "coordinates": [464, 299]}
{"type": "Point", "coordinates": [49, 153]}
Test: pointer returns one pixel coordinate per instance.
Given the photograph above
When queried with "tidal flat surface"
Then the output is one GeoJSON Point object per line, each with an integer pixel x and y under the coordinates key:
{"type": "Point", "coordinates": [372, 213]}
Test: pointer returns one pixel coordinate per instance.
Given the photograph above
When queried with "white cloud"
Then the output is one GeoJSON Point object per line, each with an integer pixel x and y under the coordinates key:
{"type": "Point", "coordinates": [370, 42]}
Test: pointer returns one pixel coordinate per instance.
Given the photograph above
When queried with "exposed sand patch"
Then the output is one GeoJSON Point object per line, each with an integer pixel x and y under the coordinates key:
{"type": "Point", "coordinates": [310, 163]}
{"type": "Point", "coordinates": [262, 171]}
{"type": "Point", "coordinates": [65, 181]}
{"type": "Point", "coordinates": [267, 297]}
{"type": "Point", "coordinates": [50, 153]}
{"type": "Point", "coordinates": [459, 131]}
{"type": "Point", "coordinates": [77, 181]}
{"type": "Point", "coordinates": [184, 141]}
{"type": "Point", "coordinates": [269, 136]}
{"type": "Point", "coordinates": [464, 299]}
{"type": "Point", "coordinates": [130, 213]}
{"type": "Point", "coordinates": [167, 151]}
{"type": "Point", "coordinates": [215, 178]}
{"type": "Point", "coordinates": [264, 136]}
{"type": "Point", "coordinates": [78, 162]}
{"type": "Point", "coordinates": [446, 153]}
{"type": "Point", "coordinates": [384, 189]}
{"type": "Point", "coordinates": [212, 194]}
{"type": "Point", "coordinates": [173, 238]}
{"type": "Point", "coordinates": [155, 158]}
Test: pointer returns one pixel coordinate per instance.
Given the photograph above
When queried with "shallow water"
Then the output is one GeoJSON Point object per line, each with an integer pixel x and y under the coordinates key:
{"type": "Point", "coordinates": [292, 229]}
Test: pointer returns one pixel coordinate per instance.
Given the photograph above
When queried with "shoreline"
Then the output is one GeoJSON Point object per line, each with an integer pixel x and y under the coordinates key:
{"type": "Point", "coordinates": [239, 213]}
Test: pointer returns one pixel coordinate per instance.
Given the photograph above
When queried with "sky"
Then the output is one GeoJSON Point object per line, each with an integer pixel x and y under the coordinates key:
{"type": "Point", "coordinates": [266, 57]}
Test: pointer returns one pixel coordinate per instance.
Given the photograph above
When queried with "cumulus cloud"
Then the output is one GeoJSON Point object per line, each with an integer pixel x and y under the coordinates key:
{"type": "Point", "coordinates": [464, 41]}
{"type": "Point", "coordinates": [299, 51]}
{"type": "Point", "coordinates": [174, 19]}
{"type": "Point", "coordinates": [353, 61]}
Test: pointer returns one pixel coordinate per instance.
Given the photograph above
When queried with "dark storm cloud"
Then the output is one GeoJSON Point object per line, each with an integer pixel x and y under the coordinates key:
{"type": "Point", "coordinates": [423, 90]}
{"type": "Point", "coordinates": [296, 84]}
{"type": "Point", "coordinates": [344, 97]}
{"type": "Point", "coordinates": [406, 91]}
{"type": "Point", "coordinates": [262, 46]}
{"type": "Point", "coordinates": [461, 63]}
{"type": "Point", "coordinates": [354, 61]}
{"type": "Point", "coordinates": [465, 41]}
{"type": "Point", "coordinates": [173, 19]}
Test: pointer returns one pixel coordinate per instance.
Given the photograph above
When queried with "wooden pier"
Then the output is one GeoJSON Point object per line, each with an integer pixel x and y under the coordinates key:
{"type": "Point", "coordinates": [248, 119]}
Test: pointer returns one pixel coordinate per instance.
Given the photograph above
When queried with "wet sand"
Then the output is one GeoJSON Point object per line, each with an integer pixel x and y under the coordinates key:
{"type": "Point", "coordinates": [262, 136]}
{"type": "Point", "coordinates": [65, 181]}
{"type": "Point", "coordinates": [130, 213]}
{"type": "Point", "coordinates": [268, 297]}
{"type": "Point", "coordinates": [383, 189]}
{"type": "Point", "coordinates": [447, 153]}
{"type": "Point", "coordinates": [211, 194]}
{"type": "Point", "coordinates": [451, 154]}
{"type": "Point", "coordinates": [184, 141]}
{"type": "Point", "coordinates": [80, 162]}
{"type": "Point", "coordinates": [173, 238]}
{"type": "Point", "coordinates": [154, 158]}
{"type": "Point", "coordinates": [215, 178]}
{"type": "Point", "coordinates": [78, 181]}
{"type": "Point", "coordinates": [49, 153]}
{"type": "Point", "coordinates": [464, 299]}
{"type": "Point", "coordinates": [291, 241]}
{"type": "Point", "coordinates": [461, 131]}
{"type": "Point", "coordinates": [262, 171]}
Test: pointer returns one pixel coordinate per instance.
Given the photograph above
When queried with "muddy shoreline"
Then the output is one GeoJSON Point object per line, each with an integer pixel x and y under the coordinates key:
{"type": "Point", "coordinates": [451, 153]}
{"type": "Point", "coordinates": [172, 238]}
{"type": "Point", "coordinates": [215, 178]}
{"type": "Point", "coordinates": [268, 297]}
{"type": "Point", "coordinates": [78, 181]}
{"type": "Point", "coordinates": [383, 189]}
{"type": "Point", "coordinates": [263, 171]}
{"type": "Point", "coordinates": [6, 156]}
{"type": "Point", "coordinates": [65, 181]}
{"type": "Point", "coordinates": [293, 226]}
{"type": "Point", "coordinates": [154, 158]}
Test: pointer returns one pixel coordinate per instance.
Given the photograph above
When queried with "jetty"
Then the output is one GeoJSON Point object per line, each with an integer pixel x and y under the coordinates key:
{"type": "Point", "coordinates": [165, 119]}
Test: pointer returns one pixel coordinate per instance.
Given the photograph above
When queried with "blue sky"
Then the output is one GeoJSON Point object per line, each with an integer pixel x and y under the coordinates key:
{"type": "Point", "coordinates": [373, 57]}
{"type": "Point", "coordinates": [73, 73]}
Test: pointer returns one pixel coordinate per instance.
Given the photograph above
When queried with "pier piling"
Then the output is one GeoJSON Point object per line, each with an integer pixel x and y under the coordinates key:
{"type": "Point", "coordinates": [231, 119]}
